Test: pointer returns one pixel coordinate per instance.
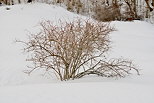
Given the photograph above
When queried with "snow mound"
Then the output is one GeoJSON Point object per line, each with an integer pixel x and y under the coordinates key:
{"type": "Point", "coordinates": [133, 40]}
{"type": "Point", "coordinates": [15, 23]}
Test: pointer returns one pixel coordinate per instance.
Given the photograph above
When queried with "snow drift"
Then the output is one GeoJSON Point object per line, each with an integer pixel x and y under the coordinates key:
{"type": "Point", "coordinates": [133, 40]}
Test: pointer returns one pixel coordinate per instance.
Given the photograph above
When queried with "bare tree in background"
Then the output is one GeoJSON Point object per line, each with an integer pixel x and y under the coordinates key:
{"type": "Point", "coordinates": [7, 2]}
{"type": "Point", "coordinates": [148, 4]}
{"type": "Point", "coordinates": [132, 5]}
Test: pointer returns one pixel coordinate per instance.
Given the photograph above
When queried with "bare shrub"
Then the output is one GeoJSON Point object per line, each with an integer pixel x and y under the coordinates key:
{"type": "Point", "coordinates": [107, 13]}
{"type": "Point", "coordinates": [74, 50]}
{"type": "Point", "coordinates": [74, 6]}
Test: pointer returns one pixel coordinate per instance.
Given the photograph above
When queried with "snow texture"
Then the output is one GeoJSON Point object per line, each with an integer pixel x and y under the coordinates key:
{"type": "Point", "coordinates": [132, 40]}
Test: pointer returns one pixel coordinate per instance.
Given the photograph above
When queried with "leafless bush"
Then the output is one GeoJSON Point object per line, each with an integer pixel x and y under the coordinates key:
{"type": "Point", "coordinates": [74, 50]}
{"type": "Point", "coordinates": [107, 13]}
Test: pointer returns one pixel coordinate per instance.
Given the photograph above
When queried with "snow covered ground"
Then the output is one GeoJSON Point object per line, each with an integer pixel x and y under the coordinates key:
{"type": "Point", "coordinates": [132, 40]}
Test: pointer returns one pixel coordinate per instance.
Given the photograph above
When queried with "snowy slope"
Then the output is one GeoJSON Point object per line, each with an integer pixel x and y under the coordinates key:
{"type": "Point", "coordinates": [132, 40]}
{"type": "Point", "coordinates": [78, 93]}
{"type": "Point", "coordinates": [16, 23]}
{"type": "Point", "coordinates": [135, 41]}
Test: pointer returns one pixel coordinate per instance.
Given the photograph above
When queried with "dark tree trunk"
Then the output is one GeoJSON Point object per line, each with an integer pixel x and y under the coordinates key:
{"type": "Point", "coordinates": [148, 5]}
{"type": "Point", "coordinates": [29, 1]}
{"type": "Point", "coordinates": [152, 3]}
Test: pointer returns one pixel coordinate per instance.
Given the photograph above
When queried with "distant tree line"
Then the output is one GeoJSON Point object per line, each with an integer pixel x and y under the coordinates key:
{"type": "Point", "coordinates": [103, 10]}
{"type": "Point", "coordinates": [108, 10]}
